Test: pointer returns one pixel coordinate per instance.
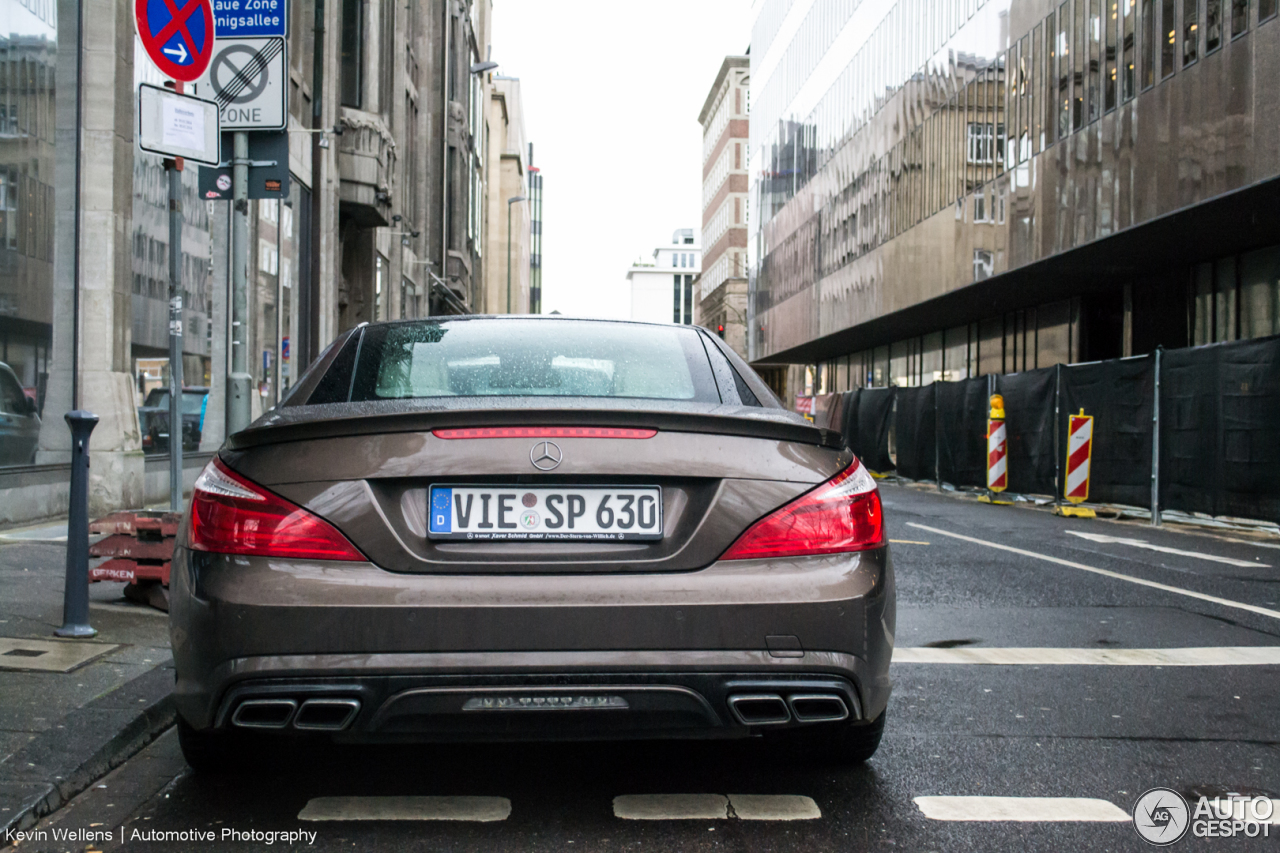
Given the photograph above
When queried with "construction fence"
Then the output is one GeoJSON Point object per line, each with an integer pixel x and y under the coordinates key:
{"type": "Point", "coordinates": [1199, 427]}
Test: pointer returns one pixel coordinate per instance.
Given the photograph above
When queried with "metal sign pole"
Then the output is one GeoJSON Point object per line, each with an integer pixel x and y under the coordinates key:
{"type": "Point", "coordinates": [174, 168]}
{"type": "Point", "coordinates": [239, 382]}
{"type": "Point", "coordinates": [1155, 446]}
{"type": "Point", "coordinates": [75, 594]}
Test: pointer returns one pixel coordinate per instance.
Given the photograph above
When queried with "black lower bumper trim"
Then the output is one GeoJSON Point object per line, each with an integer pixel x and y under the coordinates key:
{"type": "Point", "coordinates": [542, 707]}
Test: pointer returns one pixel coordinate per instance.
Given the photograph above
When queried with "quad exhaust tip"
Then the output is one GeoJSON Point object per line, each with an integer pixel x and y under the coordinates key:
{"type": "Point", "coordinates": [759, 709]}
{"type": "Point", "coordinates": [818, 708]}
{"type": "Point", "coordinates": [330, 715]}
{"type": "Point", "coordinates": [326, 715]}
{"type": "Point", "coordinates": [771, 709]}
{"type": "Point", "coordinates": [264, 713]}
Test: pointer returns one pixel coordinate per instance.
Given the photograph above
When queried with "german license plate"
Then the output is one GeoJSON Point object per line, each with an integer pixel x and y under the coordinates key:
{"type": "Point", "coordinates": [560, 514]}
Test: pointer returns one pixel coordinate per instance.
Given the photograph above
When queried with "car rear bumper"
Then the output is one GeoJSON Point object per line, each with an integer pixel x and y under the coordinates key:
{"type": "Point", "coordinates": [529, 657]}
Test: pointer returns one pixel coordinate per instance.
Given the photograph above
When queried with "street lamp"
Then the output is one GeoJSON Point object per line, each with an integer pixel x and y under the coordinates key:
{"type": "Point", "coordinates": [481, 67]}
{"type": "Point", "coordinates": [510, 202]}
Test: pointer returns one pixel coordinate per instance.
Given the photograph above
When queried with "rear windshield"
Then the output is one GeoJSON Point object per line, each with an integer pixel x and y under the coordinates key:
{"type": "Point", "coordinates": [545, 358]}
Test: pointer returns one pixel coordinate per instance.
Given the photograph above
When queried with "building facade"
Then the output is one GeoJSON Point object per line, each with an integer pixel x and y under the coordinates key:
{"type": "Point", "coordinates": [722, 286]}
{"type": "Point", "coordinates": [535, 236]}
{"type": "Point", "coordinates": [662, 291]}
{"type": "Point", "coordinates": [947, 188]}
{"type": "Point", "coordinates": [506, 285]}
{"type": "Point", "coordinates": [385, 217]}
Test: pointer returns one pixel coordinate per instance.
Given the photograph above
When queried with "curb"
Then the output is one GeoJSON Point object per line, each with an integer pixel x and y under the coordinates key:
{"type": "Point", "coordinates": [85, 745]}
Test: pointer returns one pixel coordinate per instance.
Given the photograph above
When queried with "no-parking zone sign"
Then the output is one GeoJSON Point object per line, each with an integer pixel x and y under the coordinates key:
{"type": "Point", "coordinates": [247, 77]}
{"type": "Point", "coordinates": [177, 35]}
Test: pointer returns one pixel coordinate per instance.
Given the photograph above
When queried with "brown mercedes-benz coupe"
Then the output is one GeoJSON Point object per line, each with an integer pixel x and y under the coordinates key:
{"type": "Point", "coordinates": [532, 528]}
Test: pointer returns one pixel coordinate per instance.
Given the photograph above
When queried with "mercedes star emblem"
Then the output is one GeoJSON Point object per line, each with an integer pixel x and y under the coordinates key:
{"type": "Point", "coordinates": [545, 455]}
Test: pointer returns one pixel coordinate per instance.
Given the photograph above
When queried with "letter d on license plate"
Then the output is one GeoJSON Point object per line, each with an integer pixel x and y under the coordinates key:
{"type": "Point", "coordinates": [560, 514]}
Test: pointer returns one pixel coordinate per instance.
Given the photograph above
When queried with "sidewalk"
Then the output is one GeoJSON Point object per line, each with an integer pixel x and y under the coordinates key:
{"type": "Point", "coordinates": [70, 710]}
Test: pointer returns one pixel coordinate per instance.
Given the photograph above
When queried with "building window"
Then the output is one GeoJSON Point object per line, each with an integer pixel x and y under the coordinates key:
{"type": "Point", "coordinates": [1190, 31]}
{"type": "Point", "coordinates": [1212, 25]}
{"type": "Point", "coordinates": [980, 211]}
{"type": "Point", "coordinates": [1149, 30]}
{"type": "Point", "coordinates": [983, 264]}
{"type": "Point", "coordinates": [676, 300]}
{"type": "Point", "coordinates": [1266, 9]}
{"type": "Point", "coordinates": [379, 272]}
{"type": "Point", "coordinates": [981, 142]}
{"type": "Point", "coordinates": [1130, 12]}
{"type": "Point", "coordinates": [352, 52]}
{"type": "Point", "coordinates": [1168, 38]}
{"type": "Point", "coordinates": [268, 257]}
{"type": "Point", "coordinates": [1239, 17]}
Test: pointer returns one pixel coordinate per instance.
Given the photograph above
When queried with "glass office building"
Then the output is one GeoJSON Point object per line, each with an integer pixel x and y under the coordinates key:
{"type": "Point", "coordinates": [946, 188]}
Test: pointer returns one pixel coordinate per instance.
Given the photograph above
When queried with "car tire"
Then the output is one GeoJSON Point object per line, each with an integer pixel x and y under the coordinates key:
{"type": "Point", "coordinates": [836, 743]}
{"type": "Point", "coordinates": [211, 751]}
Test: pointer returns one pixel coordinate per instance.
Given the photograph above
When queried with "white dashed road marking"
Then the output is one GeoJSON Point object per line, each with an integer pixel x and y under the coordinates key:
{"type": "Point", "coordinates": [671, 806]}
{"type": "Point", "coordinates": [1022, 809]}
{"type": "Point", "coordinates": [1226, 602]}
{"type": "Point", "coordinates": [774, 807]}
{"type": "Point", "coordinates": [480, 809]}
{"type": "Point", "coordinates": [715, 807]}
{"type": "Point", "coordinates": [1211, 656]}
{"type": "Point", "coordinates": [1142, 543]}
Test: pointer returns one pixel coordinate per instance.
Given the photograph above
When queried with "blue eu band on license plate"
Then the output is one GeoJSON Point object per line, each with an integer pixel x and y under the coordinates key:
{"type": "Point", "coordinates": [559, 514]}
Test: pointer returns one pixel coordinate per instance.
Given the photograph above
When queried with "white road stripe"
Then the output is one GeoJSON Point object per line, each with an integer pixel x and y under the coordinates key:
{"type": "Point", "coordinates": [1210, 656]}
{"type": "Point", "coordinates": [480, 809]}
{"type": "Point", "coordinates": [715, 807]}
{"type": "Point", "coordinates": [1142, 543]}
{"type": "Point", "coordinates": [1226, 602]}
{"type": "Point", "coordinates": [774, 807]}
{"type": "Point", "coordinates": [671, 807]}
{"type": "Point", "coordinates": [1022, 809]}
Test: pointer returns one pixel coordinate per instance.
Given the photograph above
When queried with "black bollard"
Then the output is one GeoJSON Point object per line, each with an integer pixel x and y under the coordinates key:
{"type": "Point", "coordinates": [75, 596]}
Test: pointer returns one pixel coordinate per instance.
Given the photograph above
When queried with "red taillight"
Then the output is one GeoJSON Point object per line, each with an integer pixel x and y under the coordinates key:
{"type": "Point", "coordinates": [544, 432]}
{"type": "Point", "coordinates": [233, 515]}
{"type": "Point", "coordinates": [843, 514]}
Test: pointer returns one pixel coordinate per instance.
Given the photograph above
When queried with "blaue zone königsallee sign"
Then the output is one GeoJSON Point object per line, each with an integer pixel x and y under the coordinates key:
{"type": "Point", "coordinates": [251, 18]}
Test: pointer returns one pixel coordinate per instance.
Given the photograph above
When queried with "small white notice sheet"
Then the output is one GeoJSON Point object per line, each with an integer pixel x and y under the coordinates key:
{"type": "Point", "coordinates": [183, 124]}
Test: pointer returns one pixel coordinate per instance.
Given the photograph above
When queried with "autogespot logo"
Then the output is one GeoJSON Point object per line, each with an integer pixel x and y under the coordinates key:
{"type": "Point", "coordinates": [1161, 816]}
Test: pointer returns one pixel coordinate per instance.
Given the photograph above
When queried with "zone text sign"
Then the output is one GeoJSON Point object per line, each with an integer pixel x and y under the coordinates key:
{"type": "Point", "coordinates": [246, 18]}
{"type": "Point", "coordinates": [247, 77]}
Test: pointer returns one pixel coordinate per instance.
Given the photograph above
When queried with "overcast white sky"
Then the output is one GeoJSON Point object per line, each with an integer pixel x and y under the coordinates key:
{"type": "Point", "coordinates": [612, 92]}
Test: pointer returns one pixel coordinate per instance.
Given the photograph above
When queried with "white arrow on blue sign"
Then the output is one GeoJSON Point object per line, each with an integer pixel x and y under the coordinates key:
{"type": "Point", "coordinates": [251, 18]}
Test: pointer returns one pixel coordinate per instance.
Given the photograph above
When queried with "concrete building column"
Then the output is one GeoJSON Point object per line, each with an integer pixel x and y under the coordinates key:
{"type": "Point", "coordinates": [215, 422]}
{"type": "Point", "coordinates": [106, 380]}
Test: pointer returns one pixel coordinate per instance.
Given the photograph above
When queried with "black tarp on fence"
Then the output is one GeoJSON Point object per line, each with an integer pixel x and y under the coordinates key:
{"type": "Point", "coordinates": [868, 430]}
{"type": "Point", "coordinates": [1119, 396]}
{"type": "Point", "coordinates": [1028, 407]}
{"type": "Point", "coordinates": [914, 433]}
{"type": "Point", "coordinates": [1220, 429]}
{"type": "Point", "coordinates": [962, 431]}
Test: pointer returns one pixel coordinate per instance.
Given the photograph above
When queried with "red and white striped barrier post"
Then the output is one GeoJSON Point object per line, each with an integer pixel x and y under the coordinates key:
{"type": "Point", "coordinates": [1079, 449]}
{"type": "Point", "coordinates": [997, 447]}
{"type": "Point", "coordinates": [1079, 454]}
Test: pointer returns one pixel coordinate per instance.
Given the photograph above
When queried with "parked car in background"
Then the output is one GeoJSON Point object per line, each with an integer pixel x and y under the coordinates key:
{"type": "Point", "coordinates": [153, 418]}
{"type": "Point", "coordinates": [19, 422]}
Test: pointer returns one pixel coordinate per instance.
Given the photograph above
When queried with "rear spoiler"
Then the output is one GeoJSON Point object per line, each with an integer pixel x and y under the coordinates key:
{"type": "Point", "coordinates": [278, 427]}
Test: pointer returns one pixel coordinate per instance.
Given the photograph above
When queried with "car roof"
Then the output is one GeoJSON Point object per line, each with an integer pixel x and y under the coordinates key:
{"type": "Point", "coordinates": [547, 318]}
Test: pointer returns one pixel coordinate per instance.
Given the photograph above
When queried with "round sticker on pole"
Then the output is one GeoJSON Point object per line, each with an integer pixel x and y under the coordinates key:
{"type": "Point", "coordinates": [177, 34]}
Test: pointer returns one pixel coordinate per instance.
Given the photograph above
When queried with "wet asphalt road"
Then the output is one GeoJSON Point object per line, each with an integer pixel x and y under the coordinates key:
{"type": "Point", "coordinates": [954, 729]}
